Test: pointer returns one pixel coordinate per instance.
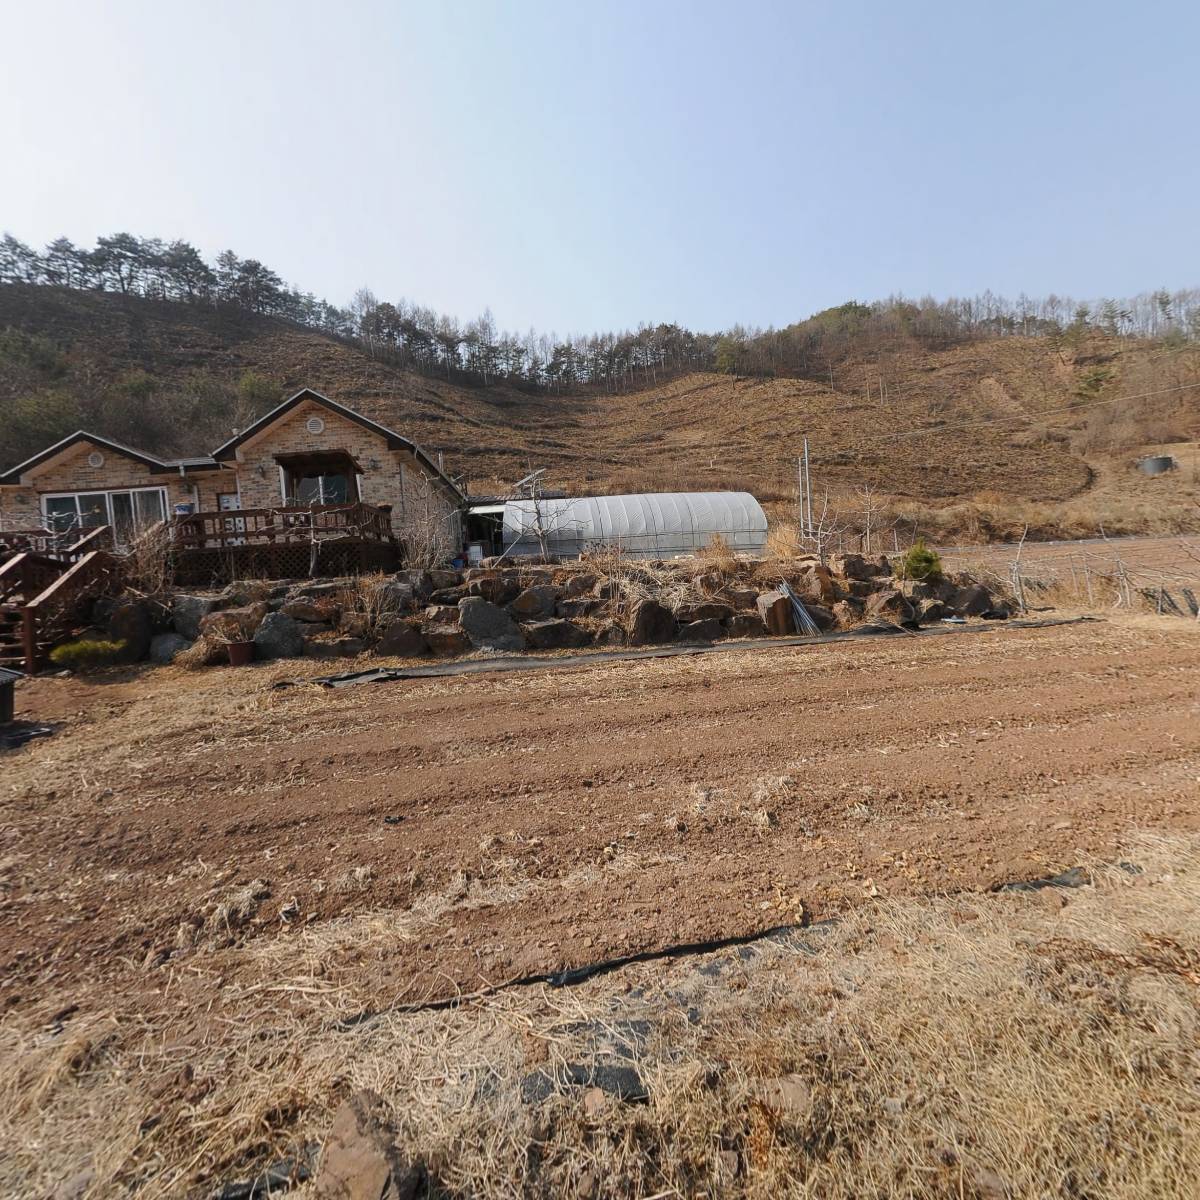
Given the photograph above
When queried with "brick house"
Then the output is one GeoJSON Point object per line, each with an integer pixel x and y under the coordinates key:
{"type": "Point", "coordinates": [309, 451]}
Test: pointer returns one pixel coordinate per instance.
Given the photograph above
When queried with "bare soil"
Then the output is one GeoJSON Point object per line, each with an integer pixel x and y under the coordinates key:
{"type": "Point", "coordinates": [178, 827]}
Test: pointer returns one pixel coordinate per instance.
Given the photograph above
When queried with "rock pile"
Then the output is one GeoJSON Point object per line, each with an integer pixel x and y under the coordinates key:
{"type": "Point", "coordinates": [509, 608]}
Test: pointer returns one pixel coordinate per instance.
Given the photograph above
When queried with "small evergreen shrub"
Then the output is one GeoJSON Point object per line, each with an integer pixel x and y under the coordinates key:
{"type": "Point", "coordinates": [920, 562]}
{"type": "Point", "coordinates": [85, 655]}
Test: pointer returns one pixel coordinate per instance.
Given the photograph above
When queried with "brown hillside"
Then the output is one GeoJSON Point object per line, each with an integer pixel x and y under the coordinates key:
{"type": "Point", "coordinates": [996, 435]}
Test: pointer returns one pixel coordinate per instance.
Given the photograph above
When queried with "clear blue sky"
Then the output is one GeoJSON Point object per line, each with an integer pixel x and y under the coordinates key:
{"type": "Point", "coordinates": [581, 166]}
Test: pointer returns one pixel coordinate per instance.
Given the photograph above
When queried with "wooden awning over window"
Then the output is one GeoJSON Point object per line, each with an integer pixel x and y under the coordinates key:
{"type": "Point", "coordinates": [309, 463]}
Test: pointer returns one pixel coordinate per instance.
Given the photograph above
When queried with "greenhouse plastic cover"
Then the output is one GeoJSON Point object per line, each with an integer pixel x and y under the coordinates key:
{"type": "Point", "coordinates": [648, 525]}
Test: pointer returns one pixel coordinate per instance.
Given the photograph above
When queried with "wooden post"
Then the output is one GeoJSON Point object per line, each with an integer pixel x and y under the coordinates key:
{"type": "Point", "coordinates": [29, 631]}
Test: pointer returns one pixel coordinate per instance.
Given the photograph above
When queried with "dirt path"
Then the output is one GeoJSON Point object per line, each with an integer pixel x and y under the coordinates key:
{"type": "Point", "coordinates": [421, 837]}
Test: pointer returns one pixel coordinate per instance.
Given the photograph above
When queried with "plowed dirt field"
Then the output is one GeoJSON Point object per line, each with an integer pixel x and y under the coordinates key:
{"type": "Point", "coordinates": [415, 839]}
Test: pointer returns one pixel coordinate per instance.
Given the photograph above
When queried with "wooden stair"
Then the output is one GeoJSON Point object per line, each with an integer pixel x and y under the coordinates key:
{"type": "Point", "coordinates": [44, 597]}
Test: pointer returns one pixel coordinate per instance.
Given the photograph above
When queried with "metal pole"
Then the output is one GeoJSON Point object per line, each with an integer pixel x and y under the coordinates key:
{"type": "Point", "coordinates": [800, 493]}
{"type": "Point", "coordinates": [808, 488]}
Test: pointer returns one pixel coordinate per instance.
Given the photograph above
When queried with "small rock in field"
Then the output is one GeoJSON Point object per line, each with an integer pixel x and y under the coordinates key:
{"type": "Point", "coordinates": [361, 1160]}
{"type": "Point", "coordinates": [988, 1184]}
{"type": "Point", "coordinates": [786, 1094]}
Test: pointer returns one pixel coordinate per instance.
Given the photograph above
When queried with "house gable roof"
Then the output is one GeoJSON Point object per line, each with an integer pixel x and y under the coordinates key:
{"type": "Point", "coordinates": [394, 441]}
{"type": "Point", "coordinates": [158, 466]}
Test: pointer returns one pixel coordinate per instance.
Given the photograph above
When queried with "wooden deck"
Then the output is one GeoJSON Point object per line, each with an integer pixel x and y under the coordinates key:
{"type": "Point", "coordinates": [281, 543]}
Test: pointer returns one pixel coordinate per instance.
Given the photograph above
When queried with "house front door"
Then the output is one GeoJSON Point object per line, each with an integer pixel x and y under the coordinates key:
{"type": "Point", "coordinates": [230, 502]}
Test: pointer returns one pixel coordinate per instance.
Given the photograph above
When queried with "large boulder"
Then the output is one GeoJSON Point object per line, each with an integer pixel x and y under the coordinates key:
{"type": "Point", "coordinates": [417, 581]}
{"type": "Point", "coordinates": [166, 646]}
{"type": "Point", "coordinates": [498, 587]}
{"type": "Point", "coordinates": [487, 626]}
{"type": "Point", "coordinates": [650, 622]}
{"type": "Point", "coordinates": [930, 610]}
{"type": "Point", "coordinates": [187, 611]}
{"type": "Point", "coordinates": [235, 624]}
{"type": "Point", "coordinates": [741, 597]}
{"type": "Point", "coordinates": [395, 596]}
{"type": "Point", "coordinates": [580, 585]}
{"type": "Point", "coordinates": [848, 613]}
{"type": "Point", "coordinates": [556, 634]}
{"type": "Point", "coordinates": [708, 610]}
{"type": "Point", "coordinates": [822, 617]}
{"type": "Point", "coordinates": [130, 622]}
{"type": "Point", "coordinates": [402, 639]}
{"type": "Point", "coordinates": [450, 595]}
{"type": "Point", "coordinates": [707, 630]}
{"type": "Point", "coordinates": [744, 625]}
{"type": "Point", "coordinates": [775, 609]}
{"type": "Point", "coordinates": [535, 603]}
{"type": "Point", "coordinates": [320, 611]}
{"type": "Point", "coordinates": [278, 637]}
{"type": "Point", "coordinates": [446, 641]}
{"type": "Point", "coordinates": [817, 584]}
{"type": "Point", "coordinates": [932, 589]}
{"type": "Point", "coordinates": [242, 592]}
{"type": "Point", "coordinates": [891, 603]}
{"type": "Point", "coordinates": [439, 580]}
{"type": "Point", "coordinates": [325, 589]}
{"type": "Point", "coordinates": [440, 614]}
{"type": "Point", "coordinates": [581, 606]}
{"type": "Point", "coordinates": [854, 566]}
{"type": "Point", "coordinates": [971, 601]}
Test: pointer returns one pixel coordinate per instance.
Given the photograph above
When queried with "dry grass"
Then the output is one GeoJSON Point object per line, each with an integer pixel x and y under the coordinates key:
{"type": "Point", "coordinates": [375, 599]}
{"type": "Point", "coordinates": [975, 1047]}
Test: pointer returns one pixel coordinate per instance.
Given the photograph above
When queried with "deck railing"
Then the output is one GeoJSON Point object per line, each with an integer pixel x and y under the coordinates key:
{"type": "Point", "coordinates": [25, 575]}
{"type": "Point", "coordinates": [67, 545]}
{"type": "Point", "coordinates": [40, 541]}
{"type": "Point", "coordinates": [267, 526]}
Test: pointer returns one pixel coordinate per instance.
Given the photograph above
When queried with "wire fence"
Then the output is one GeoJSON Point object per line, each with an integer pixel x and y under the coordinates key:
{"type": "Point", "coordinates": [1155, 576]}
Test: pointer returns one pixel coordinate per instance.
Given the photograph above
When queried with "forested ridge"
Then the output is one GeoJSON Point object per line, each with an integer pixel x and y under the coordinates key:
{"type": "Point", "coordinates": [417, 338]}
{"type": "Point", "coordinates": [148, 344]}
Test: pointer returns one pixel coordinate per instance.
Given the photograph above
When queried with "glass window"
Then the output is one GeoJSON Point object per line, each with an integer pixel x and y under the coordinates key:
{"type": "Point", "coordinates": [322, 489]}
{"type": "Point", "coordinates": [122, 509]}
{"type": "Point", "coordinates": [62, 512]}
{"type": "Point", "coordinates": [93, 509]}
{"type": "Point", "coordinates": [149, 508]}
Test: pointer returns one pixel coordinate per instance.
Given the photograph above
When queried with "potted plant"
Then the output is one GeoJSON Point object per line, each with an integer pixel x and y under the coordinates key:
{"type": "Point", "coordinates": [241, 654]}
{"type": "Point", "coordinates": [239, 649]}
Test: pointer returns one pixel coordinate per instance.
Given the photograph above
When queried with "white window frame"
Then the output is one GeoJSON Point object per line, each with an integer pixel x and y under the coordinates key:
{"type": "Point", "coordinates": [107, 493]}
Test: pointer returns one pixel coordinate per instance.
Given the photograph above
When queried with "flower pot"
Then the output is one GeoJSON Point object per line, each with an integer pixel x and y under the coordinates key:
{"type": "Point", "coordinates": [241, 654]}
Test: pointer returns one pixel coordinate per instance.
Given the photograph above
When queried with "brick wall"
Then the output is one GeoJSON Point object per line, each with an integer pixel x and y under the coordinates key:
{"type": "Point", "coordinates": [423, 508]}
{"type": "Point", "coordinates": [21, 508]}
{"type": "Point", "coordinates": [392, 477]}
